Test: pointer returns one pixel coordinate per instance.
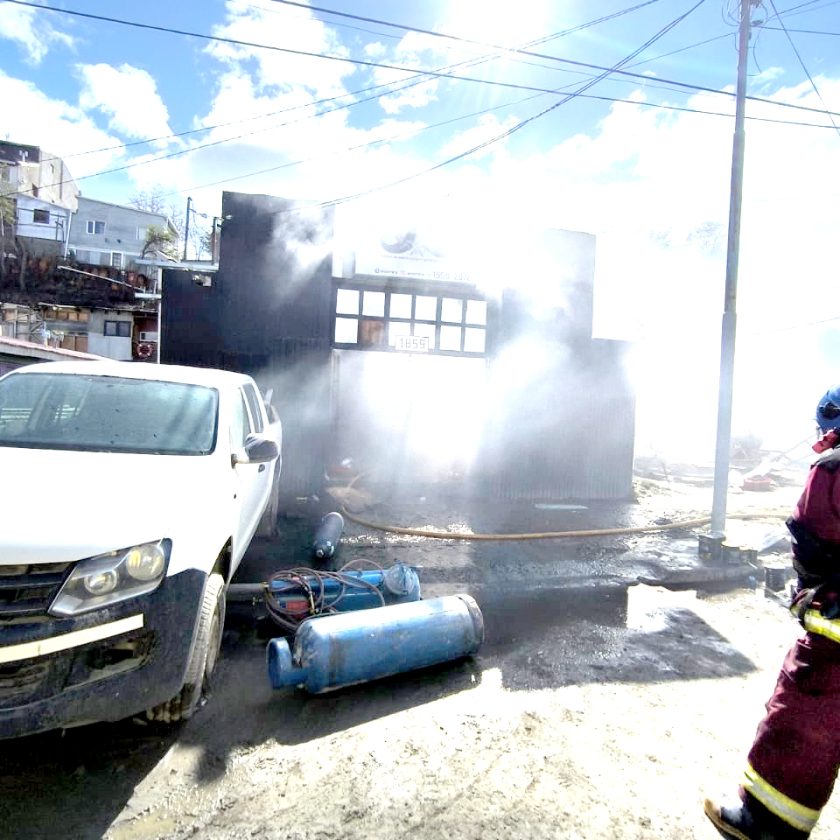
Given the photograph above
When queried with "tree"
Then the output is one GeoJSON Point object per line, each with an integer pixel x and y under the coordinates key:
{"type": "Point", "coordinates": [156, 200]}
{"type": "Point", "coordinates": [161, 240]}
{"type": "Point", "coordinates": [8, 230]}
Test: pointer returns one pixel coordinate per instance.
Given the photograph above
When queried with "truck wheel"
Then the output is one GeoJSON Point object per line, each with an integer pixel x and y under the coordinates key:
{"type": "Point", "coordinates": [202, 663]}
{"type": "Point", "coordinates": [268, 527]}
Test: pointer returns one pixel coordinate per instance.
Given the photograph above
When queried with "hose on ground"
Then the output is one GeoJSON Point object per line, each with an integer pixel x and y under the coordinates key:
{"type": "Point", "coordinates": [546, 535]}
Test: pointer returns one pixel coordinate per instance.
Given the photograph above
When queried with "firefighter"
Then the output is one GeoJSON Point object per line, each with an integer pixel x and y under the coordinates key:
{"type": "Point", "coordinates": [793, 762]}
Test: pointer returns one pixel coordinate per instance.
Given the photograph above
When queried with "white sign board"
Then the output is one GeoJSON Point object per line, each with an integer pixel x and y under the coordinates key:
{"type": "Point", "coordinates": [412, 343]}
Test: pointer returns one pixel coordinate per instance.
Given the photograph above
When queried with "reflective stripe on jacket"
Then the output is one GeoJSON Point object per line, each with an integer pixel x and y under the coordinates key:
{"type": "Point", "coordinates": [815, 623]}
{"type": "Point", "coordinates": [794, 814]}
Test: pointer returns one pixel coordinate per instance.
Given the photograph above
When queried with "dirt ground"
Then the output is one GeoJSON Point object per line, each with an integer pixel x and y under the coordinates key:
{"type": "Point", "coordinates": [600, 708]}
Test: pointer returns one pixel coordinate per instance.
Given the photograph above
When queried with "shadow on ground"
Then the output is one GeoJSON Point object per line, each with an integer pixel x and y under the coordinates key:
{"type": "Point", "coordinates": [74, 783]}
{"type": "Point", "coordinates": [538, 636]}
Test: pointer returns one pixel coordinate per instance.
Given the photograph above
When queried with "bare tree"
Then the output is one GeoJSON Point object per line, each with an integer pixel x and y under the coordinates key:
{"type": "Point", "coordinates": [156, 200]}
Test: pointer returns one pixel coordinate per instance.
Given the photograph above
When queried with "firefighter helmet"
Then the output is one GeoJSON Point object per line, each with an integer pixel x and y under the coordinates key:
{"type": "Point", "coordinates": [828, 410]}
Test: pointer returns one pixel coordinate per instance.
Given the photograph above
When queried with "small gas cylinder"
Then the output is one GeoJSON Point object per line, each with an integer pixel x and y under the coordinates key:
{"type": "Point", "coordinates": [339, 650]}
{"type": "Point", "coordinates": [328, 535]}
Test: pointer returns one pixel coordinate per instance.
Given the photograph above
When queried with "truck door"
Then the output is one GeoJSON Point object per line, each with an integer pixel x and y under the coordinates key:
{"type": "Point", "coordinates": [253, 480]}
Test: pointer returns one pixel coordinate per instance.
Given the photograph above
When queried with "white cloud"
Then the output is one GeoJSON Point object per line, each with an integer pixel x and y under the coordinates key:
{"type": "Point", "coordinates": [289, 28]}
{"type": "Point", "coordinates": [128, 96]}
{"type": "Point", "coordinates": [486, 128]}
{"type": "Point", "coordinates": [413, 91]}
{"type": "Point", "coordinates": [56, 126]}
{"type": "Point", "coordinates": [31, 31]}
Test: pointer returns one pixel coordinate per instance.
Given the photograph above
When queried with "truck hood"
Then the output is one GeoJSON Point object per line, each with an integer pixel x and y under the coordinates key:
{"type": "Point", "coordinates": [60, 506]}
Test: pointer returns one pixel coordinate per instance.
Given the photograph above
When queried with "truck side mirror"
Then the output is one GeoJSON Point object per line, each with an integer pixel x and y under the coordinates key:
{"type": "Point", "coordinates": [258, 450]}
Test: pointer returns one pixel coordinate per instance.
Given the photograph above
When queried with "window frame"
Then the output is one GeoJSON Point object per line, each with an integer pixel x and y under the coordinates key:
{"type": "Point", "coordinates": [91, 227]}
{"type": "Point", "coordinates": [36, 212]}
{"type": "Point", "coordinates": [126, 333]}
{"type": "Point", "coordinates": [374, 331]}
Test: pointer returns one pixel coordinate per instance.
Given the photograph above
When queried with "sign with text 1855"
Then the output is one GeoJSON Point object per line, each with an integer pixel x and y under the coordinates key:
{"type": "Point", "coordinates": [412, 343]}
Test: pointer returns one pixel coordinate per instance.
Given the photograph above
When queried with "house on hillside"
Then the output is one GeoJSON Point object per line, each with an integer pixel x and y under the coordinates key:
{"type": "Point", "coordinates": [105, 234]}
{"type": "Point", "coordinates": [39, 197]}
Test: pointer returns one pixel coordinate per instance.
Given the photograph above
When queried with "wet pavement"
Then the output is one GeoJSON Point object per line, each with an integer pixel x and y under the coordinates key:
{"type": "Point", "coordinates": [481, 567]}
{"type": "Point", "coordinates": [558, 612]}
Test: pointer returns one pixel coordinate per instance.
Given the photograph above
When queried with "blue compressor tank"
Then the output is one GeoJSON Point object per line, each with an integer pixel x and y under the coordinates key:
{"type": "Point", "coordinates": [339, 650]}
{"type": "Point", "coordinates": [328, 535]}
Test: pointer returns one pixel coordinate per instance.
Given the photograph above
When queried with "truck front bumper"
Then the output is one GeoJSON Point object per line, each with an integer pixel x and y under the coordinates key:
{"type": "Point", "coordinates": [105, 665]}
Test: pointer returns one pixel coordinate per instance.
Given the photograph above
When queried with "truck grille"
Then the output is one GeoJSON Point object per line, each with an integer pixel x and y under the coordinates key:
{"type": "Point", "coordinates": [19, 684]}
{"type": "Point", "coordinates": [29, 590]}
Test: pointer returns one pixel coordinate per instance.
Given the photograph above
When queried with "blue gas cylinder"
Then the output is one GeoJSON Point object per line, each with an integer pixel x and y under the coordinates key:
{"type": "Point", "coordinates": [328, 535]}
{"type": "Point", "coordinates": [339, 650]}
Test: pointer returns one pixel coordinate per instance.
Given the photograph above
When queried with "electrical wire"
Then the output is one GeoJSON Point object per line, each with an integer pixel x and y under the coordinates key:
{"type": "Point", "coordinates": [802, 65]}
{"type": "Point", "coordinates": [413, 70]}
{"type": "Point", "coordinates": [391, 88]}
{"type": "Point", "coordinates": [169, 155]}
{"type": "Point", "coordinates": [469, 62]}
{"type": "Point", "coordinates": [406, 135]}
{"type": "Point", "coordinates": [517, 127]}
{"type": "Point", "coordinates": [459, 38]}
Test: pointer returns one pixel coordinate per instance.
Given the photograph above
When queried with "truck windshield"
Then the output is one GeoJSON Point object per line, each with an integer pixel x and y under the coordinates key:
{"type": "Point", "coordinates": [107, 414]}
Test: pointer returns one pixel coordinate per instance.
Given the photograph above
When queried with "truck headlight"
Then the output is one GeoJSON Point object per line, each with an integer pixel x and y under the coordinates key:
{"type": "Point", "coordinates": [108, 578]}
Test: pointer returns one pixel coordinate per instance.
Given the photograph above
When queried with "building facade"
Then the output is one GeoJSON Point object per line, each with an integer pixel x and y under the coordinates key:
{"type": "Point", "coordinates": [111, 234]}
{"type": "Point", "coordinates": [41, 196]}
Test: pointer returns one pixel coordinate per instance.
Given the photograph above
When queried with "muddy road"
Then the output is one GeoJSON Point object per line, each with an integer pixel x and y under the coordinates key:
{"type": "Point", "coordinates": [599, 711]}
{"type": "Point", "coordinates": [588, 714]}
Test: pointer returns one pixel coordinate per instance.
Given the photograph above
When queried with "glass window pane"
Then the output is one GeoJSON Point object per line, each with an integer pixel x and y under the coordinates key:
{"type": "Point", "coordinates": [400, 306]}
{"type": "Point", "coordinates": [452, 309]}
{"type": "Point", "coordinates": [425, 308]}
{"type": "Point", "coordinates": [450, 338]}
{"type": "Point", "coordinates": [396, 328]}
{"type": "Point", "coordinates": [477, 312]}
{"type": "Point", "coordinates": [347, 302]}
{"type": "Point", "coordinates": [371, 332]}
{"type": "Point", "coordinates": [427, 330]}
{"type": "Point", "coordinates": [373, 303]}
{"type": "Point", "coordinates": [346, 330]}
{"type": "Point", "coordinates": [474, 340]}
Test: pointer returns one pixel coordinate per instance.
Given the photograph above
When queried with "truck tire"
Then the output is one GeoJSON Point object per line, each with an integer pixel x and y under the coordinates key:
{"type": "Point", "coordinates": [268, 527]}
{"type": "Point", "coordinates": [203, 657]}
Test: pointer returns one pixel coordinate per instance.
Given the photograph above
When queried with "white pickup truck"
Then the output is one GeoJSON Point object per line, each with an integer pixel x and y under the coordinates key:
{"type": "Point", "coordinates": [128, 495]}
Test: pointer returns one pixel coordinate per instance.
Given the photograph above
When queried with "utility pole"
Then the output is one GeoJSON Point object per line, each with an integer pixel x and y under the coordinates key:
{"type": "Point", "coordinates": [216, 221]}
{"type": "Point", "coordinates": [187, 227]}
{"type": "Point", "coordinates": [727, 338]}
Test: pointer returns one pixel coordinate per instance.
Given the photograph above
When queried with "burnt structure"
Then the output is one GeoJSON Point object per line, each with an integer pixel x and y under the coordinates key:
{"type": "Point", "coordinates": [356, 356]}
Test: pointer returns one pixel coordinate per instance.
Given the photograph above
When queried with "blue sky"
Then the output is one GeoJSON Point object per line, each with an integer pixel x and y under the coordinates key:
{"type": "Point", "coordinates": [651, 182]}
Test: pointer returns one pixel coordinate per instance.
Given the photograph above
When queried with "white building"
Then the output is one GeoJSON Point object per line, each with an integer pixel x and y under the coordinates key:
{"type": "Point", "coordinates": [112, 234]}
{"type": "Point", "coordinates": [44, 193]}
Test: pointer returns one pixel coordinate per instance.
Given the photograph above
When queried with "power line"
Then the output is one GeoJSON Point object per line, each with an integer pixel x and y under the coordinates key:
{"type": "Point", "coordinates": [544, 56]}
{"type": "Point", "coordinates": [801, 31]}
{"type": "Point", "coordinates": [802, 65]}
{"type": "Point", "coordinates": [472, 62]}
{"type": "Point", "coordinates": [538, 90]}
{"type": "Point", "coordinates": [417, 30]}
{"type": "Point", "coordinates": [406, 135]}
{"type": "Point", "coordinates": [520, 125]}
{"type": "Point", "coordinates": [414, 70]}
